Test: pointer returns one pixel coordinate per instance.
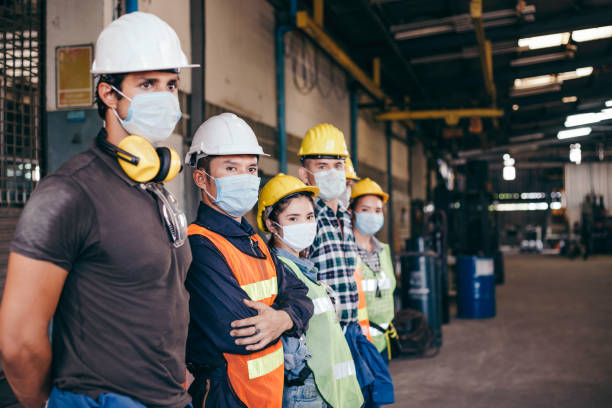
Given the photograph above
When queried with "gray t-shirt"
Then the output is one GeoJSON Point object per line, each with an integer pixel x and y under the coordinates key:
{"type": "Point", "coordinates": [121, 322]}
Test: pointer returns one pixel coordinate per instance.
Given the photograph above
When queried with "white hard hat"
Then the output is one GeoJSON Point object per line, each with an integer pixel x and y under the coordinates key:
{"type": "Point", "coordinates": [223, 135]}
{"type": "Point", "coordinates": [138, 42]}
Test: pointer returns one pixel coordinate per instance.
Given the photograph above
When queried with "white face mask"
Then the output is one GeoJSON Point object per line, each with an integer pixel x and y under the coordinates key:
{"type": "Point", "coordinates": [151, 115]}
{"type": "Point", "coordinates": [298, 236]}
{"type": "Point", "coordinates": [331, 183]}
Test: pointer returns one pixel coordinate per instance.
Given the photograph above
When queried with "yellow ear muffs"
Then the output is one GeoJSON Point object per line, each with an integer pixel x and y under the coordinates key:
{"type": "Point", "coordinates": [148, 163]}
{"type": "Point", "coordinates": [170, 164]}
{"type": "Point", "coordinates": [141, 161]}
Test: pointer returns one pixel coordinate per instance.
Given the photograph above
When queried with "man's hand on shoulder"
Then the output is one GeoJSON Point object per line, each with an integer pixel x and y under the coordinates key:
{"type": "Point", "coordinates": [258, 331]}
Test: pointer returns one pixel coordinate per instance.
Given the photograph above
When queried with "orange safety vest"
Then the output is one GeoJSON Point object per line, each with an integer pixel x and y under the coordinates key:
{"type": "Point", "coordinates": [257, 378]}
{"type": "Point", "coordinates": [362, 310]}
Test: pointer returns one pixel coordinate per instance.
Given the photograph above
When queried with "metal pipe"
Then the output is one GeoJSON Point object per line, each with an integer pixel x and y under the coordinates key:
{"type": "Point", "coordinates": [279, 43]}
{"type": "Point", "coordinates": [440, 114]}
{"type": "Point", "coordinates": [131, 6]}
{"type": "Point", "coordinates": [354, 116]}
{"type": "Point", "coordinates": [390, 222]}
{"type": "Point", "coordinates": [484, 46]}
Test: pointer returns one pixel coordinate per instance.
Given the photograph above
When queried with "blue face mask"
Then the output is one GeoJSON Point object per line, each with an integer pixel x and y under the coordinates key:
{"type": "Point", "coordinates": [369, 223]}
{"type": "Point", "coordinates": [236, 195]}
{"type": "Point", "coordinates": [151, 115]}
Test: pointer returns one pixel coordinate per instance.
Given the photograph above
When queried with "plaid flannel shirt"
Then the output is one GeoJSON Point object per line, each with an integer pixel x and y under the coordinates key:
{"type": "Point", "coordinates": [334, 253]}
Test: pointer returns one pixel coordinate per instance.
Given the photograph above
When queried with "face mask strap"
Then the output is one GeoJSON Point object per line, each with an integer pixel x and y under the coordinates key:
{"type": "Point", "coordinates": [206, 191]}
{"type": "Point", "coordinates": [121, 93]}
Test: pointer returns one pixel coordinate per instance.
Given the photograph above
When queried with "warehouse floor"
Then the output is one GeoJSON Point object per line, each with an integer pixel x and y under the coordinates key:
{"type": "Point", "coordinates": [549, 346]}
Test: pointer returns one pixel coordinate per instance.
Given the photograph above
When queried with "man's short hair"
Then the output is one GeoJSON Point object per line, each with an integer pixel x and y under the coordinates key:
{"type": "Point", "coordinates": [204, 163]}
{"type": "Point", "coordinates": [113, 80]}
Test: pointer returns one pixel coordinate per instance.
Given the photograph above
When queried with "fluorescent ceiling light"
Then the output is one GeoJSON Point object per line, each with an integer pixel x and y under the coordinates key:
{"type": "Point", "coordinates": [555, 205]}
{"type": "Point", "coordinates": [533, 82]}
{"type": "Point", "coordinates": [582, 119]}
{"type": "Point", "coordinates": [569, 99]}
{"type": "Point", "coordinates": [578, 132]}
{"type": "Point", "coordinates": [550, 79]}
{"type": "Point", "coordinates": [588, 118]}
{"type": "Point", "coordinates": [609, 103]}
{"type": "Point", "coordinates": [590, 34]}
{"type": "Point", "coordinates": [579, 73]}
{"type": "Point", "coordinates": [514, 92]}
{"type": "Point", "coordinates": [509, 173]}
{"type": "Point", "coordinates": [544, 41]}
{"type": "Point", "coordinates": [532, 196]}
{"type": "Point", "coordinates": [520, 206]}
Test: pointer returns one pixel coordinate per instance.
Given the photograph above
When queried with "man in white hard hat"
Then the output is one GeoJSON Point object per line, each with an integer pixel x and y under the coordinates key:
{"type": "Point", "coordinates": [101, 248]}
{"type": "Point", "coordinates": [242, 299]}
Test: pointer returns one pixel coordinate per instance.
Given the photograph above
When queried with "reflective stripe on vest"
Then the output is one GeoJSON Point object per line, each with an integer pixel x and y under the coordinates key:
{"type": "Point", "coordinates": [261, 290]}
{"type": "Point", "coordinates": [331, 362]}
{"type": "Point", "coordinates": [344, 369]}
{"type": "Point", "coordinates": [256, 378]}
{"type": "Point", "coordinates": [380, 308]}
{"type": "Point", "coordinates": [266, 364]}
{"type": "Point", "coordinates": [369, 285]}
{"type": "Point", "coordinates": [362, 311]}
{"type": "Point", "coordinates": [322, 305]}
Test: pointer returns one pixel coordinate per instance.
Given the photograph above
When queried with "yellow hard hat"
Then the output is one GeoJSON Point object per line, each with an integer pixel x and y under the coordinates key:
{"type": "Point", "coordinates": [350, 170]}
{"type": "Point", "coordinates": [324, 140]}
{"type": "Point", "coordinates": [279, 187]}
{"type": "Point", "coordinates": [368, 186]}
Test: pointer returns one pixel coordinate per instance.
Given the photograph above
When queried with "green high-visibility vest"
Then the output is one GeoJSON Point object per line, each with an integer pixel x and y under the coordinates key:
{"type": "Point", "coordinates": [331, 363]}
{"type": "Point", "coordinates": [381, 309]}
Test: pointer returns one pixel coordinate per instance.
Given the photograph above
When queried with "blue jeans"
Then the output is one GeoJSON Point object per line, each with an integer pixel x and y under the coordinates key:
{"type": "Point", "coordinates": [303, 396]}
{"type": "Point", "coordinates": [66, 399]}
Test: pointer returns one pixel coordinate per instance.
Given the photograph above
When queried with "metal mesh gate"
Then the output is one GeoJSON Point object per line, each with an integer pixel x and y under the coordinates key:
{"type": "Point", "coordinates": [21, 87]}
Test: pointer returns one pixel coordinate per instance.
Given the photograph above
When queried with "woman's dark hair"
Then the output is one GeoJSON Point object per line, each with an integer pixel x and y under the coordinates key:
{"type": "Point", "coordinates": [280, 206]}
{"type": "Point", "coordinates": [354, 202]}
{"type": "Point", "coordinates": [113, 80]}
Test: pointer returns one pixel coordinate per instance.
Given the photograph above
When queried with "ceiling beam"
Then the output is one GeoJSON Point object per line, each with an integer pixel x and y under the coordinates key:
{"type": "Point", "coordinates": [450, 115]}
{"type": "Point", "coordinates": [484, 46]}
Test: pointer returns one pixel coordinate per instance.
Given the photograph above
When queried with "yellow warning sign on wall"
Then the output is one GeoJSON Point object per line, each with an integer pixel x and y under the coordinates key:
{"type": "Point", "coordinates": [74, 81]}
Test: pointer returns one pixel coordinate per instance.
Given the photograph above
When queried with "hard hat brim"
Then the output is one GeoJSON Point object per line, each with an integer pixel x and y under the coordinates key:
{"type": "Point", "coordinates": [127, 70]}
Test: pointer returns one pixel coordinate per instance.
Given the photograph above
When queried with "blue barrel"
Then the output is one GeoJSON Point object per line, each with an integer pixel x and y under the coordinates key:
{"type": "Point", "coordinates": [475, 287]}
{"type": "Point", "coordinates": [423, 285]}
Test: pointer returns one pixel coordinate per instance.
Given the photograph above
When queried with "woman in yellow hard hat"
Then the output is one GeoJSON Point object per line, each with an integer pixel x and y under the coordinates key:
{"type": "Point", "coordinates": [367, 202]}
{"type": "Point", "coordinates": [328, 377]}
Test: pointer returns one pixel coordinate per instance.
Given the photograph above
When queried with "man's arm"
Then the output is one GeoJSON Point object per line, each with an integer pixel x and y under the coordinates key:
{"type": "Point", "coordinates": [288, 315]}
{"type": "Point", "coordinates": [216, 298]}
{"type": "Point", "coordinates": [30, 297]}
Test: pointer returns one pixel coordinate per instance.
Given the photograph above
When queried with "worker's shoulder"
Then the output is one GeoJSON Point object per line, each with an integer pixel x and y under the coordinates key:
{"type": "Point", "coordinates": [75, 167]}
